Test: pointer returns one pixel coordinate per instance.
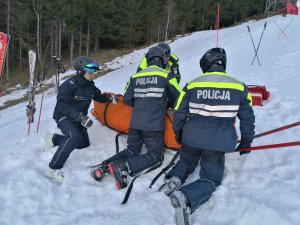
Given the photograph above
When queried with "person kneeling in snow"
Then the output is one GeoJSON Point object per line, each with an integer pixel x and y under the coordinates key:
{"type": "Point", "coordinates": [204, 126]}
{"type": "Point", "coordinates": [73, 100]}
{"type": "Point", "coordinates": [147, 92]}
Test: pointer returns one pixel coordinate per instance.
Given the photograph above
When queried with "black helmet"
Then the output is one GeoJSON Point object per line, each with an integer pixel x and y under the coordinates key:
{"type": "Point", "coordinates": [213, 56]}
{"type": "Point", "coordinates": [155, 53]}
{"type": "Point", "coordinates": [166, 48]}
{"type": "Point", "coordinates": [85, 64]}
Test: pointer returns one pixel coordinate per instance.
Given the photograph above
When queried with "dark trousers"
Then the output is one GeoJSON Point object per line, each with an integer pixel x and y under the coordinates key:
{"type": "Point", "coordinates": [155, 145]}
{"type": "Point", "coordinates": [211, 173]}
{"type": "Point", "coordinates": [74, 136]}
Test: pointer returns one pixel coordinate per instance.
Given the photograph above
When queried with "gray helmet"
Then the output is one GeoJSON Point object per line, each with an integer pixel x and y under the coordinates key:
{"type": "Point", "coordinates": [82, 61]}
{"type": "Point", "coordinates": [166, 48]}
{"type": "Point", "coordinates": [155, 53]}
{"type": "Point", "coordinates": [213, 56]}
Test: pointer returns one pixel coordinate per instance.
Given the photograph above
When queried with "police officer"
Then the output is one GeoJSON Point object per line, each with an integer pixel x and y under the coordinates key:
{"type": "Point", "coordinates": [147, 92]}
{"type": "Point", "coordinates": [70, 114]}
{"type": "Point", "coordinates": [170, 61]}
{"type": "Point", "coordinates": [204, 126]}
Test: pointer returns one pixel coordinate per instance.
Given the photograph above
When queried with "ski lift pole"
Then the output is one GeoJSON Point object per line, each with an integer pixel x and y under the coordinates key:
{"type": "Point", "coordinates": [253, 44]}
{"type": "Point", "coordinates": [218, 23]}
{"type": "Point", "coordinates": [262, 34]}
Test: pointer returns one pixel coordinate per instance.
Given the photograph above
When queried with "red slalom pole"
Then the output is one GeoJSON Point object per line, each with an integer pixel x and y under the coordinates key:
{"type": "Point", "coordinates": [218, 23]}
{"type": "Point", "coordinates": [41, 107]}
{"type": "Point", "coordinates": [263, 147]}
{"type": "Point", "coordinates": [275, 130]}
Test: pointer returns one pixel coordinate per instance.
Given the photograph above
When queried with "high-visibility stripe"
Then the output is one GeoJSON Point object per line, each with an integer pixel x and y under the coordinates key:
{"type": "Point", "coordinates": [175, 84]}
{"type": "Point", "coordinates": [128, 83]}
{"type": "Point", "coordinates": [152, 89]}
{"type": "Point", "coordinates": [151, 71]}
{"type": "Point", "coordinates": [143, 95]}
{"type": "Point", "coordinates": [215, 114]}
{"type": "Point", "coordinates": [179, 100]}
{"type": "Point", "coordinates": [214, 107]}
{"type": "Point", "coordinates": [249, 96]}
{"type": "Point", "coordinates": [215, 85]}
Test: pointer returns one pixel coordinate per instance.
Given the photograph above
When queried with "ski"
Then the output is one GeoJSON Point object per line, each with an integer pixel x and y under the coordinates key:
{"type": "Point", "coordinates": [4, 41]}
{"type": "Point", "coordinates": [30, 108]}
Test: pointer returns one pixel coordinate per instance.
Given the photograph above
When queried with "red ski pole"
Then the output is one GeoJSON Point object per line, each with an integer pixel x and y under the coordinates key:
{"type": "Point", "coordinates": [275, 130]}
{"type": "Point", "coordinates": [41, 107]}
{"type": "Point", "coordinates": [263, 147]}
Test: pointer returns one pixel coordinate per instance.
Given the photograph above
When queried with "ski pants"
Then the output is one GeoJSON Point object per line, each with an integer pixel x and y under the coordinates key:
{"type": "Point", "coordinates": [210, 176]}
{"type": "Point", "coordinates": [155, 145]}
{"type": "Point", "coordinates": [74, 136]}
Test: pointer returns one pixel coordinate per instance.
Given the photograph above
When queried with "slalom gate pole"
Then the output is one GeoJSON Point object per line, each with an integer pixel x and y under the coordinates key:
{"type": "Point", "coordinates": [218, 22]}
{"type": "Point", "coordinates": [282, 32]}
{"type": "Point", "coordinates": [262, 34]}
{"type": "Point", "coordinates": [263, 147]}
{"type": "Point", "coordinates": [253, 44]}
{"type": "Point", "coordinates": [3, 62]}
{"type": "Point", "coordinates": [275, 130]}
{"type": "Point", "coordinates": [286, 26]}
{"type": "Point", "coordinates": [42, 100]}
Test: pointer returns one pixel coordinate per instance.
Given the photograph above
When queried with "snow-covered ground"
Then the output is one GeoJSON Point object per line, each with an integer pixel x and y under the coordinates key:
{"type": "Point", "coordinates": [259, 188]}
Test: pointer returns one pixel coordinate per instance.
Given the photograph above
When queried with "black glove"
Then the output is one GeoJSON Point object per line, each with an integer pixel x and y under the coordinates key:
{"type": "Point", "coordinates": [178, 137]}
{"type": "Point", "coordinates": [29, 109]}
{"type": "Point", "coordinates": [112, 98]}
{"type": "Point", "coordinates": [243, 145]}
{"type": "Point", "coordinates": [84, 120]}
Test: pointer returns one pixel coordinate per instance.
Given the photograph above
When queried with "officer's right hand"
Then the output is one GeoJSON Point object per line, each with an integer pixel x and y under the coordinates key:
{"type": "Point", "coordinates": [243, 145]}
{"type": "Point", "coordinates": [84, 120]}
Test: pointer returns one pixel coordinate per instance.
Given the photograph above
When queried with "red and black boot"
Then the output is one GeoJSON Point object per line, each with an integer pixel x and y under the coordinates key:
{"type": "Point", "coordinates": [119, 169]}
{"type": "Point", "coordinates": [100, 171]}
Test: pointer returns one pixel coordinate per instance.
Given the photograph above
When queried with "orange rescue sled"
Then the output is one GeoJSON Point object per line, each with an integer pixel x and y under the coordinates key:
{"type": "Point", "coordinates": [117, 117]}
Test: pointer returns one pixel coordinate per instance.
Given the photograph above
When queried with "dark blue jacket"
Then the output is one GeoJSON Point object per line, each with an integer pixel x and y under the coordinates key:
{"type": "Point", "coordinates": [148, 92]}
{"type": "Point", "coordinates": [75, 96]}
{"type": "Point", "coordinates": [207, 112]}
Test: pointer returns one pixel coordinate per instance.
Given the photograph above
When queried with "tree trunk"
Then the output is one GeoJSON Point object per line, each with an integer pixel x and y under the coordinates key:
{"type": "Point", "coordinates": [87, 44]}
{"type": "Point", "coordinates": [59, 40]}
{"type": "Point", "coordinates": [168, 20]}
{"type": "Point", "coordinates": [71, 48]}
{"type": "Point", "coordinates": [20, 48]}
{"type": "Point", "coordinates": [52, 40]}
{"type": "Point", "coordinates": [80, 39]}
{"type": "Point", "coordinates": [131, 24]}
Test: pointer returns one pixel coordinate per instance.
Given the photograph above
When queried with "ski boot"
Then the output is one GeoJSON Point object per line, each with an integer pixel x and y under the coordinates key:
{"type": "Point", "coordinates": [55, 175]}
{"type": "Point", "coordinates": [119, 169]}
{"type": "Point", "coordinates": [100, 171]}
{"type": "Point", "coordinates": [170, 185]}
{"type": "Point", "coordinates": [182, 210]}
{"type": "Point", "coordinates": [48, 144]}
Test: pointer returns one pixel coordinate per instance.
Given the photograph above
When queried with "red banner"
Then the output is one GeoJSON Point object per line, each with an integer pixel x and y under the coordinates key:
{"type": "Point", "coordinates": [3, 45]}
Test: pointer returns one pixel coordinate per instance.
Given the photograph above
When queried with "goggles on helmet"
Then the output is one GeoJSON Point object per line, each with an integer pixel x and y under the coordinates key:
{"type": "Point", "coordinates": [91, 68]}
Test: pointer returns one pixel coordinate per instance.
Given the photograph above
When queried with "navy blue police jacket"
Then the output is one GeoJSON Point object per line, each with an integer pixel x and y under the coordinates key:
{"type": "Point", "coordinates": [75, 96]}
{"type": "Point", "coordinates": [148, 92]}
{"type": "Point", "coordinates": [207, 112]}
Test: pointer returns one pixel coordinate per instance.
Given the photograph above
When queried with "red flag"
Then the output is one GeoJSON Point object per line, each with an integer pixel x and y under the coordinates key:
{"type": "Point", "coordinates": [3, 45]}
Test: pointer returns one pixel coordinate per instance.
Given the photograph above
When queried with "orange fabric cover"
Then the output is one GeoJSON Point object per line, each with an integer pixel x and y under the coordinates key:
{"type": "Point", "coordinates": [118, 118]}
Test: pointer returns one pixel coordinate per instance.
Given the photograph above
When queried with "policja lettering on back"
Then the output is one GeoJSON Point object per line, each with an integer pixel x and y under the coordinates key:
{"type": "Point", "coordinates": [213, 94]}
{"type": "Point", "coordinates": [146, 80]}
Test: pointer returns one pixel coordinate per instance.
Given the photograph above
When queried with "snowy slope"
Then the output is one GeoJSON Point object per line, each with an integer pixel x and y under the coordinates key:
{"type": "Point", "coordinates": [260, 188]}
